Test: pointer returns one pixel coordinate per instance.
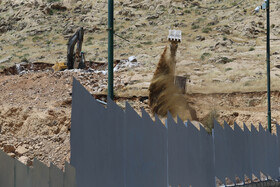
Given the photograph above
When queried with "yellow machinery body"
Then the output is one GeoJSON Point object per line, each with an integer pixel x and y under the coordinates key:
{"type": "Point", "coordinates": [59, 66]}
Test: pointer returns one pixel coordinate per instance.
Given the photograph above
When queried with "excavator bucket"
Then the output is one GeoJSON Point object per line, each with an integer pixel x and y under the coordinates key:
{"type": "Point", "coordinates": [175, 35]}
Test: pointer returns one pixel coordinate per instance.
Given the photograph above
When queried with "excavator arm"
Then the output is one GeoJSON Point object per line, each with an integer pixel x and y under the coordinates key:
{"type": "Point", "coordinates": [75, 60]}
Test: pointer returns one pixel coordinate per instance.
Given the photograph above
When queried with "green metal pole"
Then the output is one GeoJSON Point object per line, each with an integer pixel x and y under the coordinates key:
{"type": "Point", "coordinates": [110, 48]}
{"type": "Point", "coordinates": [268, 67]}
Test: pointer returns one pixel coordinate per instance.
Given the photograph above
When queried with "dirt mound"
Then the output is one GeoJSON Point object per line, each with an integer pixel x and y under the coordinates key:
{"type": "Point", "coordinates": [27, 67]}
{"type": "Point", "coordinates": [35, 114]}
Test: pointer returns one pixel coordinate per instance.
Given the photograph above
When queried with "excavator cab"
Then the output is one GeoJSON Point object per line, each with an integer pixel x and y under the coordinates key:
{"type": "Point", "coordinates": [76, 60]}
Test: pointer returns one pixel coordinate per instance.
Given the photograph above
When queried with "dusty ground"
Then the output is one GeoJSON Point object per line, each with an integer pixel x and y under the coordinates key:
{"type": "Point", "coordinates": [222, 52]}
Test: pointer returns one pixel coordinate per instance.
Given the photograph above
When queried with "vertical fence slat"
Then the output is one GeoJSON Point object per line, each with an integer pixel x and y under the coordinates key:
{"type": "Point", "coordinates": [221, 157]}
{"type": "Point", "coordinates": [156, 149]}
{"type": "Point", "coordinates": [231, 159]}
{"type": "Point", "coordinates": [40, 174]}
{"type": "Point", "coordinates": [116, 127]}
{"type": "Point", "coordinates": [262, 141]}
{"type": "Point", "coordinates": [69, 179]}
{"type": "Point", "coordinates": [278, 148]}
{"type": "Point", "coordinates": [272, 157]}
{"type": "Point", "coordinates": [207, 171]}
{"type": "Point", "coordinates": [173, 153]}
{"type": "Point", "coordinates": [239, 150]}
{"type": "Point", "coordinates": [266, 144]}
{"type": "Point", "coordinates": [143, 162]}
{"type": "Point", "coordinates": [247, 152]}
{"type": "Point", "coordinates": [7, 170]}
{"type": "Point", "coordinates": [177, 153]}
{"type": "Point", "coordinates": [192, 145]}
{"type": "Point", "coordinates": [56, 176]}
{"type": "Point", "coordinates": [23, 175]}
{"type": "Point", "coordinates": [183, 163]}
{"type": "Point", "coordinates": [255, 152]}
{"type": "Point", "coordinates": [163, 139]}
{"type": "Point", "coordinates": [89, 138]}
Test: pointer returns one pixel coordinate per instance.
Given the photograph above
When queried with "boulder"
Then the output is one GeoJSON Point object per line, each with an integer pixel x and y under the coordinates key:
{"type": "Point", "coordinates": [21, 150]}
{"type": "Point", "coordinates": [9, 148]}
{"type": "Point", "coordinates": [25, 160]}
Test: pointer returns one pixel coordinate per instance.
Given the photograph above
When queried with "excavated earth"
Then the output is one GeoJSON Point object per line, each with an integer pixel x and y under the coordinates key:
{"type": "Point", "coordinates": [35, 114]}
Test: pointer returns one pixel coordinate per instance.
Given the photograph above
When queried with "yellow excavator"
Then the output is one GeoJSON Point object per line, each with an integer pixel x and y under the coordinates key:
{"type": "Point", "coordinates": [74, 60]}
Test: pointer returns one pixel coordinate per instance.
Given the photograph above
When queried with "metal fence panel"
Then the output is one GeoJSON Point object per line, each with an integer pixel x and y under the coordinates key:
{"type": "Point", "coordinates": [207, 172]}
{"type": "Point", "coordinates": [256, 152]}
{"type": "Point", "coordinates": [110, 147]}
{"type": "Point", "coordinates": [220, 152]}
{"type": "Point", "coordinates": [247, 153]}
{"type": "Point", "coordinates": [163, 138]}
{"type": "Point", "coordinates": [23, 175]}
{"type": "Point", "coordinates": [278, 147]}
{"type": "Point", "coordinates": [262, 139]}
{"type": "Point", "coordinates": [272, 157]}
{"type": "Point", "coordinates": [56, 176]}
{"type": "Point", "coordinates": [173, 153]}
{"type": "Point", "coordinates": [178, 171]}
{"type": "Point", "coordinates": [40, 174]}
{"type": "Point", "coordinates": [266, 142]}
{"type": "Point", "coordinates": [192, 145]}
{"type": "Point", "coordinates": [158, 148]}
{"type": "Point", "coordinates": [239, 152]}
{"type": "Point", "coordinates": [142, 153]}
{"type": "Point", "coordinates": [69, 176]}
{"type": "Point", "coordinates": [82, 106]}
{"type": "Point", "coordinates": [13, 173]}
{"type": "Point", "coordinates": [115, 117]}
{"type": "Point", "coordinates": [7, 170]}
{"type": "Point", "coordinates": [231, 159]}
{"type": "Point", "coordinates": [95, 138]}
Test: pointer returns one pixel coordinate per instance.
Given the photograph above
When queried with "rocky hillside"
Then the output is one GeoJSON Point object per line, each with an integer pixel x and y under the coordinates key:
{"type": "Point", "coordinates": [221, 50]}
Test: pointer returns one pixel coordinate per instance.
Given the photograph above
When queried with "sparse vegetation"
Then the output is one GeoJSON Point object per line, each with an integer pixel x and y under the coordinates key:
{"type": "Point", "coordinates": [206, 29]}
{"type": "Point", "coordinates": [147, 43]}
{"type": "Point", "coordinates": [248, 83]}
{"type": "Point", "coordinates": [226, 60]}
{"type": "Point", "coordinates": [188, 11]}
{"type": "Point", "coordinates": [197, 12]}
{"type": "Point", "coordinates": [208, 121]}
{"type": "Point", "coordinates": [52, 1]}
{"type": "Point", "coordinates": [20, 46]}
{"type": "Point", "coordinates": [37, 38]}
{"type": "Point", "coordinates": [199, 20]}
{"type": "Point", "coordinates": [195, 27]}
{"type": "Point", "coordinates": [228, 69]}
{"type": "Point", "coordinates": [89, 41]}
{"type": "Point", "coordinates": [48, 42]}
{"type": "Point", "coordinates": [252, 49]}
{"type": "Point", "coordinates": [204, 55]}
{"type": "Point", "coordinates": [24, 59]}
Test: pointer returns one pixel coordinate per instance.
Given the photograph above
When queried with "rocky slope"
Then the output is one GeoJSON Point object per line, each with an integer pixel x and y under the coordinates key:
{"type": "Point", "coordinates": [219, 48]}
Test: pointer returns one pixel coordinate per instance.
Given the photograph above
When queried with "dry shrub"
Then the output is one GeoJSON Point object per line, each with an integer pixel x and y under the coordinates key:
{"type": "Point", "coordinates": [208, 121]}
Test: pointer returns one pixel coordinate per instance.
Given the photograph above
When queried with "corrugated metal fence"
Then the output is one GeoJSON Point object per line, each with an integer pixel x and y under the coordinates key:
{"type": "Point", "coordinates": [15, 174]}
{"type": "Point", "coordinates": [112, 147]}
